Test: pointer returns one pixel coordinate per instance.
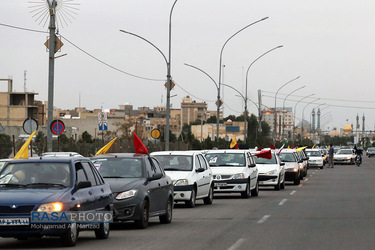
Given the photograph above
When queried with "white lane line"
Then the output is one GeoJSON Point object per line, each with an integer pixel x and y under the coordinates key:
{"type": "Point", "coordinates": [263, 219]}
{"type": "Point", "coordinates": [282, 202]}
{"type": "Point", "coordinates": [293, 192]}
{"type": "Point", "coordinates": [237, 244]}
{"type": "Point", "coordinates": [310, 175]}
{"type": "Point", "coordinates": [306, 179]}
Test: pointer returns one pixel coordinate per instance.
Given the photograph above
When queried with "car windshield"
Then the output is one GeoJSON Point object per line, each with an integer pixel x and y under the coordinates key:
{"type": "Point", "coordinates": [345, 152]}
{"type": "Point", "coordinates": [176, 162]}
{"type": "Point", "coordinates": [313, 153]}
{"type": "Point", "coordinates": [2, 164]}
{"type": "Point", "coordinates": [36, 174]}
{"type": "Point", "coordinates": [260, 160]}
{"type": "Point", "coordinates": [370, 149]}
{"type": "Point", "coordinates": [120, 167]}
{"type": "Point", "coordinates": [226, 159]}
{"type": "Point", "coordinates": [287, 157]}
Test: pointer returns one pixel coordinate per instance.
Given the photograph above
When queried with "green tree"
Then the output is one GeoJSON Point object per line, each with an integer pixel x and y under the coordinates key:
{"type": "Point", "coordinates": [86, 137]}
{"type": "Point", "coordinates": [5, 146]}
{"type": "Point", "coordinates": [212, 119]}
{"type": "Point", "coordinates": [39, 143]}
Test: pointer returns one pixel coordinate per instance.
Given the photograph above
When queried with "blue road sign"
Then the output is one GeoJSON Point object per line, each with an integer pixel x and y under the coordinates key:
{"type": "Point", "coordinates": [103, 126]}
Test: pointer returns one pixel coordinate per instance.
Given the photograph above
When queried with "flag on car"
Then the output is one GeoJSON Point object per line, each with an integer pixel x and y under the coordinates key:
{"type": "Point", "coordinates": [301, 148]}
{"type": "Point", "coordinates": [264, 154]}
{"type": "Point", "coordinates": [279, 151]}
{"type": "Point", "coordinates": [104, 149]}
{"type": "Point", "coordinates": [272, 146]}
{"type": "Point", "coordinates": [139, 146]}
{"type": "Point", "coordinates": [234, 143]}
{"type": "Point", "coordinates": [260, 149]}
{"type": "Point", "coordinates": [23, 153]}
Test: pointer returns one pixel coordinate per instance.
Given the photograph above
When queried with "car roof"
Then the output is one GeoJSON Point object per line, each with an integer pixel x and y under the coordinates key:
{"type": "Point", "coordinates": [235, 151]}
{"type": "Point", "coordinates": [119, 155]}
{"type": "Point", "coordinates": [189, 153]}
{"type": "Point", "coordinates": [47, 159]}
{"type": "Point", "coordinates": [62, 154]}
{"type": "Point", "coordinates": [288, 150]}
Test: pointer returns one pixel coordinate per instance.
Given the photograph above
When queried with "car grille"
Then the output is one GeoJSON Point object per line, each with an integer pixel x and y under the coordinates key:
{"type": "Point", "coordinates": [223, 176]}
{"type": "Point", "coordinates": [17, 210]}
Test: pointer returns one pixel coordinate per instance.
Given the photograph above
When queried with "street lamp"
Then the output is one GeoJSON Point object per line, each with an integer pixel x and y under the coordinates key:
{"type": "Point", "coordinates": [275, 125]}
{"type": "Point", "coordinates": [168, 63]}
{"type": "Point", "coordinates": [284, 106]}
{"type": "Point", "coordinates": [218, 102]}
{"type": "Point", "coordinates": [247, 73]}
{"type": "Point", "coordinates": [303, 112]}
{"type": "Point", "coordinates": [295, 112]}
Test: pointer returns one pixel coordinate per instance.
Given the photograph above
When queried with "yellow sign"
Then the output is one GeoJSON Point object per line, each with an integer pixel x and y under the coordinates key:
{"type": "Point", "coordinates": [155, 133]}
{"type": "Point", "coordinates": [58, 44]}
{"type": "Point", "coordinates": [172, 84]}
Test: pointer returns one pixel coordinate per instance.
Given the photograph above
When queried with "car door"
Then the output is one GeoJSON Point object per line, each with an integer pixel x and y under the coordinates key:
{"type": "Point", "coordinates": [165, 184]}
{"type": "Point", "coordinates": [253, 170]}
{"type": "Point", "coordinates": [84, 196]}
{"type": "Point", "coordinates": [206, 174]}
{"type": "Point", "coordinates": [154, 188]}
{"type": "Point", "coordinates": [199, 176]}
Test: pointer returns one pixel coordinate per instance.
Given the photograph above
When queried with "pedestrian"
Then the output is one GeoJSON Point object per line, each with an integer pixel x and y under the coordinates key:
{"type": "Point", "coordinates": [330, 156]}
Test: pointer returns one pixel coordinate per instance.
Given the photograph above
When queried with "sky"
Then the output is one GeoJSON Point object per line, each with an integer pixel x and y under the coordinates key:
{"type": "Point", "coordinates": [330, 45]}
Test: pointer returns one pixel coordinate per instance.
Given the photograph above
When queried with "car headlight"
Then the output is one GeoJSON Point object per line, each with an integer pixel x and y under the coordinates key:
{"type": "Point", "coordinates": [127, 194]}
{"type": "Point", "coordinates": [348, 158]}
{"type": "Point", "coordinates": [239, 176]}
{"type": "Point", "coordinates": [295, 169]}
{"type": "Point", "coordinates": [50, 207]}
{"type": "Point", "coordinates": [181, 182]}
{"type": "Point", "coordinates": [271, 172]}
{"type": "Point", "coordinates": [300, 166]}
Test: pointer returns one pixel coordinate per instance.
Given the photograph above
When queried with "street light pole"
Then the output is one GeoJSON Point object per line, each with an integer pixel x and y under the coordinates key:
{"type": "Point", "coordinates": [284, 106]}
{"type": "Point", "coordinates": [51, 69]}
{"type": "Point", "coordinates": [168, 63]}
{"type": "Point", "coordinates": [247, 73]}
{"type": "Point", "coordinates": [220, 66]}
{"type": "Point", "coordinates": [275, 125]}
{"type": "Point", "coordinates": [295, 112]}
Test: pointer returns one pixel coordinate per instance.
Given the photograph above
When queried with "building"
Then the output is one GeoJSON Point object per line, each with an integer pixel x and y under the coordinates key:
{"type": "Point", "coordinates": [284, 120]}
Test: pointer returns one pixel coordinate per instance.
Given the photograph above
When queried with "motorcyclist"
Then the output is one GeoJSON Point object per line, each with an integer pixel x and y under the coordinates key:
{"type": "Point", "coordinates": [358, 152]}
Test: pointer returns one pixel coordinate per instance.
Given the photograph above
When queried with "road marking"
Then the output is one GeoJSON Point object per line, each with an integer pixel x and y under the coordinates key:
{"type": "Point", "coordinates": [237, 244]}
{"type": "Point", "coordinates": [306, 179]}
{"type": "Point", "coordinates": [293, 192]}
{"type": "Point", "coordinates": [263, 219]}
{"type": "Point", "coordinates": [310, 175]}
{"type": "Point", "coordinates": [282, 202]}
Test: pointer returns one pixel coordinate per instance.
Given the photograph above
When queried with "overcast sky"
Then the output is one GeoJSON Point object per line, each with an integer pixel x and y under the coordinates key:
{"type": "Point", "coordinates": [329, 44]}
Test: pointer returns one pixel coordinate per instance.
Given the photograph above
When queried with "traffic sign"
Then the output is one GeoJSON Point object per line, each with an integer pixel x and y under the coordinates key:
{"type": "Point", "coordinates": [103, 126]}
{"type": "Point", "coordinates": [30, 125]}
{"type": "Point", "coordinates": [57, 127]}
{"type": "Point", "coordinates": [102, 116]}
{"type": "Point", "coordinates": [155, 133]}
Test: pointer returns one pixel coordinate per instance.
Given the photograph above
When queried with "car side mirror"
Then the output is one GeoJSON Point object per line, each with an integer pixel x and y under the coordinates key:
{"type": "Point", "coordinates": [155, 176]}
{"type": "Point", "coordinates": [282, 163]}
{"type": "Point", "coordinates": [307, 158]}
{"type": "Point", "coordinates": [300, 161]}
{"type": "Point", "coordinates": [83, 184]}
{"type": "Point", "coordinates": [200, 170]}
{"type": "Point", "coordinates": [252, 165]}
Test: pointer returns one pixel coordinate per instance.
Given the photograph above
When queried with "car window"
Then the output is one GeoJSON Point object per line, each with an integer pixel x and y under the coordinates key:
{"type": "Point", "coordinates": [89, 173]}
{"type": "Point", "coordinates": [176, 162]}
{"type": "Point", "coordinates": [287, 157]}
{"type": "Point", "coordinates": [202, 161]}
{"type": "Point", "coordinates": [197, 162]}
{"type": "Point", "coordinates": [149, 168]}
{"type": "Point", "coordinates": [313, 153]}
{"type": "Point", "coordinates": [157, 169]}
{"type": "Point", "coordinates": [80, 173]}
{"type": "Point", "coordinates": [260, 160]}
{"type": "Point", "coordinates": [226, 159]}
{"type": "Point", "coordinates": [118, 167]}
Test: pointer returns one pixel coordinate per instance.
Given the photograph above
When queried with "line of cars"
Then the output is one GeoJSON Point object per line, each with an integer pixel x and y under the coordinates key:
{"type": "Point", "coordinates": [133, 187]}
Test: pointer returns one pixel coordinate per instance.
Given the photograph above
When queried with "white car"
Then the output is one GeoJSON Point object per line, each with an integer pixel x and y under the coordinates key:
{"type": "Point", "coordinates": [234, 171]}
{"type": "Point", "coordinates": [190, 173]}
{"type": "Point", "coordinates": [315, 158]}
{"type": "Point", "coordinates": [344, 156]}
{"type": "Point", "coordinates": [293, 165]}
{"type": "Point", "coordinates": [271, 171]}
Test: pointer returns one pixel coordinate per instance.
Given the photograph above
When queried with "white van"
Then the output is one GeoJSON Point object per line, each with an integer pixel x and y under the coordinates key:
{"type": "Point", "coordinates": [234, 171]}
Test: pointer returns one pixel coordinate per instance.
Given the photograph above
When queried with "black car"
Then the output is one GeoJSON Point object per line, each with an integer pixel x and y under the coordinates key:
{"type": "Point", "coordinates": [141, 188]}
{"type": "Point", "coordinates": [32, 190]}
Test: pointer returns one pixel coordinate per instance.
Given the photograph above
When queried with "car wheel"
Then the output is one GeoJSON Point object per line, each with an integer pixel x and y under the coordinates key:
{"type": "Point", "coordinates": [282, 186]}
{"type": "Point", "coordinates": [69, 238]}
{"type": "Point", "coordinates": [255, 191]}
{"type": "Point", "coordinates": [246, 194]}
{"type": "Point", "coordinates": [103, 231]}
{"type": "Point", "coordinates": [142, 223]}
{"type": "Point", "coordinates": [297, 180]}
{"type": "Point", "coordinates": [191, 203]}
{"type": "Point", "coordinates": [278, 185]}
{"type": "Point", "coordinates": [167, 217]}
{"type": "Point", "coordinates": [208, 200]}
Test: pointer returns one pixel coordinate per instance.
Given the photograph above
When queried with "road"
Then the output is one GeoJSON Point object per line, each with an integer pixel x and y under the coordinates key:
{"type": "Point", "coordinates": [330, 209]}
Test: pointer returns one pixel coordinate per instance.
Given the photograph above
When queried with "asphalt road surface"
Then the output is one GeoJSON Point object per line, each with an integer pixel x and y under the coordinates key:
{"type": "Point", "coordinates": [331, 209]}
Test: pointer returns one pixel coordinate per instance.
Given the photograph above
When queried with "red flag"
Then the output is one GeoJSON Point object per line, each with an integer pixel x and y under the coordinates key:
{"type": "Point", "coordinates": [292, 146]}
{"type": "Point", "coordinates": [264, 154]}
{"type": "Point", "coordinates": [272, 146]}
{"type": "Point", "coordinates": [260, 149]}
{"type": "Point", "coordinates": [139, 146]}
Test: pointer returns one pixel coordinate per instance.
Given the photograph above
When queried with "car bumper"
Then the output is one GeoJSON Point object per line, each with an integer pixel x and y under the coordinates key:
{"type": "Point", "coordinates": [34, 230]}
{"type": "Point", "coordinates": [268, 180]}
{"type": "Point", "coordinates": [127, 209]}
{"type": "Point", "coordinates": [316, 164]}
{"type": "Point", "coordinates": [230, 186]}
{"type": "Point", "coordinates": [291, 176]}
{"type": "Point", "coordinates": [182, 193]}
{"type": "Point", "coordinates": [342, 160]}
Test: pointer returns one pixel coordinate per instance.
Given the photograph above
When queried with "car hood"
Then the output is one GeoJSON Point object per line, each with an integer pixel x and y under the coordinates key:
{"type": "Point", "coordinates": [177, 175]}
{"type": "Point", "coordinates": [227, 170]}
{"type": "Point", "coordinates": [290, 165]}
{"type": "Point", "coordinates": [315, 158]}
{"type": "Point", "coordinates": [264, 168]}
{"type": "Point", "coordinates": [123, 184]}
{"type": "Point", "coordinates": [342, 155]}
{"type": "Point", "coordinates": [34, 196]}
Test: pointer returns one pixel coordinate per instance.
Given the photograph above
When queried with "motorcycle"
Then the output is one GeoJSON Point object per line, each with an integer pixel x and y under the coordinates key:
{"type": "Point", "coordinates": [358, 160]}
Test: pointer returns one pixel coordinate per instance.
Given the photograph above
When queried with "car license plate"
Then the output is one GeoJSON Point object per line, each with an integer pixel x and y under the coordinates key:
{"type": "Point", "coordinates": [14, 222]}
{"type": "Point", "coordinates": [220, 184]}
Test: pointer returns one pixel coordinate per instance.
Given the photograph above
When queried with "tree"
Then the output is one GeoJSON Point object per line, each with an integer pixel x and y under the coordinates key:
{"type": "Point", "coordinates": [212, 119]}
{"type": "Point", "coordinates": [39, 142]}
{"type": "Point", "coordinates": [5, 146]}
{"type": "Point", "coordinates": [86, 137]}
